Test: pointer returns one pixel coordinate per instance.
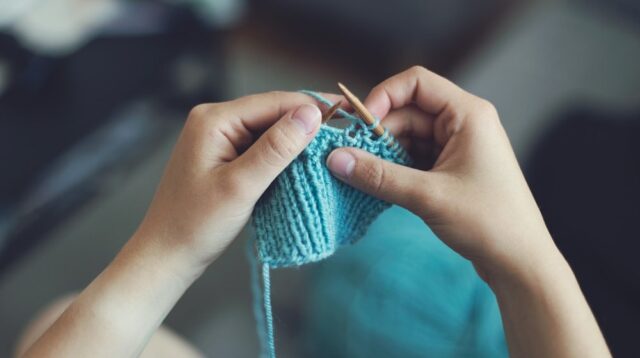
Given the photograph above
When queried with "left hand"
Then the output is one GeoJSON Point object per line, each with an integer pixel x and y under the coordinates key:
{"type": "Point", "coordinates": [220, 166]}
{"type": "Point", "coordinates": [225, 158]}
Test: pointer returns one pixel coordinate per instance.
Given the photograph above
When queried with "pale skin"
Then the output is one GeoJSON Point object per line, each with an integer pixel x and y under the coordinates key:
{"type": "Point", "coordinates": [467, 186]}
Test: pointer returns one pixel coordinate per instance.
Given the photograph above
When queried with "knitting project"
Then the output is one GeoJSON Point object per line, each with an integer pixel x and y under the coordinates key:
{"type": "Point", "coordinates": [307, 214]}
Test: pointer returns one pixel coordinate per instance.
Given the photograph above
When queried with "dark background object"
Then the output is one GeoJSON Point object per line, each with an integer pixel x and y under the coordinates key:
{"type": "Point", "coordinates": [627, 8]}
{"type": "Point", "coordinates": [52, 104]}
{"type": "Point", "coordinates": [585, 174]}
{"type": "Point", "coordinates": [377, 38]}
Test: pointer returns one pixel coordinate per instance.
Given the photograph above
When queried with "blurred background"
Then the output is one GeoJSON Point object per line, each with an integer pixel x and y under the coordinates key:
{"type": "Point", "coordinates": [93, 94]}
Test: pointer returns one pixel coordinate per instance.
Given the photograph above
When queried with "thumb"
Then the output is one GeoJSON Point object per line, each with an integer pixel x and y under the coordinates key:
{"type": "Point", "coordinates": [383, 179]}
{"type": "Point", "coordinates": [278, 146]}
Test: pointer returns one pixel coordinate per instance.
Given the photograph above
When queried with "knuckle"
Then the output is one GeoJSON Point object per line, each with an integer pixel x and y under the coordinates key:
{"type": "Point", "coordinates": [270, 96]}
{"type": "Point", "coordinates": [485, 108]}
{"type": "Point", "coordinates": [202, 116]}
{"type": "Point", "coordinates": [199, 111]}
{"type": "Point", "coordinates": [373, 175]}
{"type": "Point", "coordinates": [197, 115]}
{"type": "Point", "coordinates": [280, 97]}
{"type": "Point", "coordinates": [278, 147]}
{"type": "Point", "coordinates": [479, 113]}
{"type": "Point", "coordinates": [418, 70]}
{"type": "Point", "coordinates": [276, 93]}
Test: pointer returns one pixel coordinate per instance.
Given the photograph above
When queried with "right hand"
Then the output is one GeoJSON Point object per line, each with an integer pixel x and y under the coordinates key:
{"type": "Point", "coordinates": [467, 186]}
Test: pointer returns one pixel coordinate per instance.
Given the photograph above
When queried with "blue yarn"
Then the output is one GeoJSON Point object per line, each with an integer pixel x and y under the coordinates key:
{"type": "Point", "coordinates": [271, 348]}
{"type": "Point", "coordinates": [307, 214]}
{"type": "Point", "coordinates": [374, 124]}
{"type": "Point", "coordinates": [259, 309]}
{"type": "Point", "coordinates": [400, 293]}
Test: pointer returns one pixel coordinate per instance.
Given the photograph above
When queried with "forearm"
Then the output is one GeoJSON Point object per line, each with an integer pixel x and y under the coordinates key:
{"type": "Point", "coordinates": [119, 311]}
{"type": "Point", "coordinates": [545, 313]}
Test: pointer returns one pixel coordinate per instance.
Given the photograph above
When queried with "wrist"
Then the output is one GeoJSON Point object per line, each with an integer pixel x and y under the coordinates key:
{"type": "Point", "coordinates": [538, 266]}
{"type": "Point", "coordinates": [126, 303]}
{"type": "Point", "coordinates": [544, 312]}
{"type": "Point", "coordinates": [153, 252]}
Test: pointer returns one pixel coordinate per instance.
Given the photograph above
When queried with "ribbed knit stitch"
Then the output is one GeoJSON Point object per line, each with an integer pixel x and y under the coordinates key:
{"type": "Point", "coordinates": [307, 213]}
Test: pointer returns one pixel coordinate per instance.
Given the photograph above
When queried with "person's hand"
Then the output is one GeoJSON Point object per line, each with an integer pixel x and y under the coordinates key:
{"type": "Point", "coordinates": [467, 184]}
{"type": "Point", "coordinates": [469, 189]}
{"type": "Point", "coordinates": [226, 157]}
{"type": "Point", "coordinates": [221, 165]}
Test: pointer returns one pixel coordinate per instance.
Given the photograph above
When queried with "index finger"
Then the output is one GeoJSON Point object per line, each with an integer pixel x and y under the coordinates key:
{"type": "Point", "coordinates": [429, 91]}
{"type": "Point", "coordinates": [259, 111]}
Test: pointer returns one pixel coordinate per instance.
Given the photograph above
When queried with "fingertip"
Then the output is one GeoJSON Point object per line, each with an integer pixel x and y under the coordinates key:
{"type": "Point", "coordinates": [307, 118]}
{"type": "Point", "coordinates": [341, 163]}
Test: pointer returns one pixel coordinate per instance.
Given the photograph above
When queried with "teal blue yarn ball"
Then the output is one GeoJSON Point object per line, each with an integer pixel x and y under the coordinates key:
{"type": "Point", "coordinates": [400, 292]}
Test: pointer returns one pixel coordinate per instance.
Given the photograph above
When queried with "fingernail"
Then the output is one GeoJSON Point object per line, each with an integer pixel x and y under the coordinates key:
{"type": "Point", "coordinates": [341, 163]}
{"type": "Point", "coordinates": [307, 118]}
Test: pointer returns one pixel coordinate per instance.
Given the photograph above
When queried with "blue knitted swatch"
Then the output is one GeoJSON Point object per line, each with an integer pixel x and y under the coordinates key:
{"type": "Point", "coordinates": [307, 214]}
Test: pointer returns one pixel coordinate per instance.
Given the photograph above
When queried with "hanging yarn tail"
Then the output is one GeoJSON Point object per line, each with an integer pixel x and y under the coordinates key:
{"type": "Point", "coordinates": [266, 282]}
{"type": "Point", "coordinates": [262, 304]}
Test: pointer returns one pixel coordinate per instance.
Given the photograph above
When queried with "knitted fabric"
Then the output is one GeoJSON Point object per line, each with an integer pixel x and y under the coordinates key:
{"type": "Point", "coordinates": [307, 213]}
{"type": "Point", "coordinates": [400, 293]}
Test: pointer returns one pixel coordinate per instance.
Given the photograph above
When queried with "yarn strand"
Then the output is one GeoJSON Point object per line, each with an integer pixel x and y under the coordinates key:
{"type": "Point", "coordinates": [256, 291]}
{"type": "Point", "coordinates": [266, 281]}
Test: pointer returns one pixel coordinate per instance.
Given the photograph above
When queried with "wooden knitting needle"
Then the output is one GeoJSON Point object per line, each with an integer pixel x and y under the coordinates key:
{"type": "Point", "coordinates": [331, 111]}
{"type": "Point", "coordinates": [366, 116]}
